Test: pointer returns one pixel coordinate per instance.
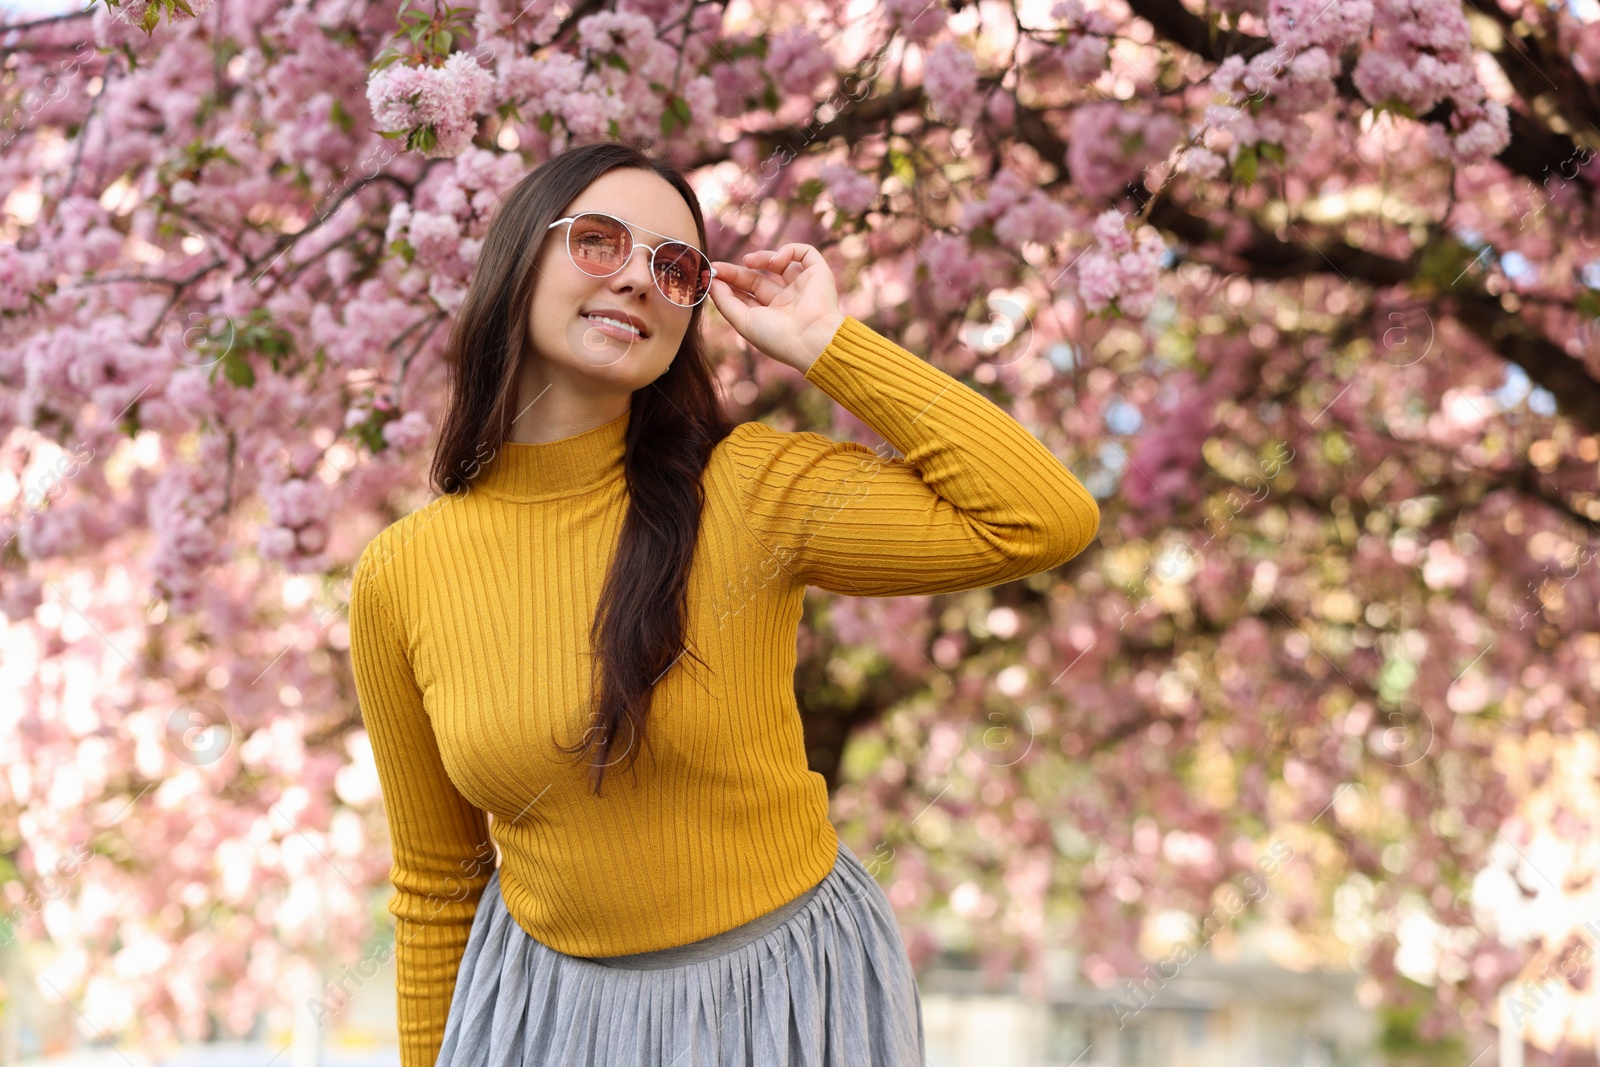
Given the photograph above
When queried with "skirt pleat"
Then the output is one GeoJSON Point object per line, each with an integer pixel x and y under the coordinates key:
{"type": "Point", "coordinates": [829, 987]}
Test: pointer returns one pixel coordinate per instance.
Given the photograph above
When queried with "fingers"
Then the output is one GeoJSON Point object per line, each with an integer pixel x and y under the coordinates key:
{"type": "Point", "coordinates": [802, 256]}
{"type": "Point", "coordinates": [727, 297]}
{"type": "Point", "coordinates": [794, 252]}
{"type": "Point", "coordinates": [766, 273]}
{"type": "Point", "coordinates": [758, 285]}
{"type": "Point", "coordinates": [744, 276]}
{"type": "Point", "coordinates": [733, 274]}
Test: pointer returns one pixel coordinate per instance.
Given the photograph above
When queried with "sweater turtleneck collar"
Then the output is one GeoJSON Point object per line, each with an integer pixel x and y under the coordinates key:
{"type": "Point", "coordinates": [557, 468]}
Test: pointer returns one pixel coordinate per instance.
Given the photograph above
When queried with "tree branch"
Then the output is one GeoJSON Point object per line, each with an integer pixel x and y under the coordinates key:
{"type": "Point", "coordinates": [1264, 255]}
{"type": "Point", "coordinates": [1534, 150]}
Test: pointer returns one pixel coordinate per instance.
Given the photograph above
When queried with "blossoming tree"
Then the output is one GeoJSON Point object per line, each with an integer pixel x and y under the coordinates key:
{"type": "Point", "coordinates": [1304, 290]}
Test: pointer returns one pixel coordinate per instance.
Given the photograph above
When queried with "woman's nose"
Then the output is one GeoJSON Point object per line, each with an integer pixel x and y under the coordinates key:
{"type": "Point", "coordinates": [635, 273]}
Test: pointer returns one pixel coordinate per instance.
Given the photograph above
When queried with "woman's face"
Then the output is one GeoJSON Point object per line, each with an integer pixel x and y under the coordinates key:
{"type": "Point", "coordinates": [570, 344]}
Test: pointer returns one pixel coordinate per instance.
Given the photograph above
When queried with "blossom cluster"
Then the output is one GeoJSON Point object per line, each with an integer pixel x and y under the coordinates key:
{"type": "Point", "coordinates": [950, 80]}
{"type": "Point", "coordinates": [917, 20]}
{"type": "Point", "coordinates": [1123, 269]}
{"type": "Point", "coordinates": [1416, 56]}
{"type": "Point", "coordinates": [1111, 144]}
{"type": "Point", "coordinates": [1422, 55]}
{"type": "Point", "coordinates": [142, 13]}
{"type": "Point", "coordinates": [1086, 44]}
{"type": "Point", "coordinates": [1018, 211]}
{"type": "Point", "coordinates": [445, 100]}
{"type": "Point", "coordinates": [852, 191]}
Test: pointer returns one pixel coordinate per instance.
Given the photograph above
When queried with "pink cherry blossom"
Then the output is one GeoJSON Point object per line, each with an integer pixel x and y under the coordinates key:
{"type": "Point", "coordinates": [1333, 25]}
{"type": "Point", "coordinates": [797, 61]}
{"type": "Point", "coordinates": [1477, 132]}
{"type": "Point", "coordinates": [951, 81]}
{"type": "Point", "coordinates": [1111, 145]}
{"type": "Point", "coordinates": [1123, 268]}
{"type": "Point", "coordinates": [851, 190]}
{"type": "Point", "coordinates": [1085, 58]}
{"type": "Point", "coordinates": [1036, 218]}
{"type": "Point", "coordinates": [444, 99]}
{"type": "Point", "coordinates": [409, 432]}
{"type": "Point", "coordinates": [955, 269]}
{"type": "Point", "coordinates": [917, 20]}
{"type": "Point", "coordinates": [620, 31]}
{"type": "Point", "coordinates": [133, 12]}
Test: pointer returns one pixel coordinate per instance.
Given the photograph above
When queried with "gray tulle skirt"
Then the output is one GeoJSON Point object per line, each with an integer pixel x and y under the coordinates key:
{"type": "Point", "coordinates": [823, 981]}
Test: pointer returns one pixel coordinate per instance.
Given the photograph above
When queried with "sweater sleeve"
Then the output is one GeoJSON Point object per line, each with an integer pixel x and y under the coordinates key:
{"type": "Point", "coordinates": [442, 852]}
{"type": "Point", "coordinates": [977, 500]}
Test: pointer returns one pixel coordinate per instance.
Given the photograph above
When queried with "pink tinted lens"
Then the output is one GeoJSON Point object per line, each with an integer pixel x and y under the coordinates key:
{"type": "Point", "coordinates": [682, 273]}
{"type": "Point", "coordinates": [600, 246]}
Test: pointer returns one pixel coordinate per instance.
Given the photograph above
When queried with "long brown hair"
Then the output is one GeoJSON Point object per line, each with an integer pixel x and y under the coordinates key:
{"type": "Point", "coordinates": [673, 424]}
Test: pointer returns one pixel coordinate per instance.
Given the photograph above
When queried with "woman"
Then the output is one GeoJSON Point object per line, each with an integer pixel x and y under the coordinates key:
{"type": "Point", "coordinates": [701, 910]}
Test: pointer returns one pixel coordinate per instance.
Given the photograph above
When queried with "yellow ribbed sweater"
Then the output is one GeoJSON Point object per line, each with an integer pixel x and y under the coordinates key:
{"type": "Point", "coordinates": [469, 622]}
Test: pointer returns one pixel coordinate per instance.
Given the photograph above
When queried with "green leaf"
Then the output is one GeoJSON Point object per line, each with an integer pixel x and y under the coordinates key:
{"type": "Point", "coordinates": [547, 122]}
{"type": "Point", "coordinates": [668, 118]}
{"type": "Point", "coordinates": [341, 118]}
{"type": "Point", "coordinates": [1443, 263]}
{"type": "Point", "coordinates": [901, 166]}
{"type": "Point", "coordinates": [1395, 106]}
{"type": "Point", "coordinates": [1273, 152]}
{"type": "Point", "coordinates": [237, 370]}
{"type": "Point", "coordinates": [1244, 167]}
{"type": "Point", "coordinates": [443, 42]}
{"type": "Point", "coordinates": [1587, 303]}
{"type": "Point", "coordinates": [369, 435]}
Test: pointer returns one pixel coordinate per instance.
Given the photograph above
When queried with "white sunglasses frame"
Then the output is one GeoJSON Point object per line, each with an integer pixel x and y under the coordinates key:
{"type": "Point", "coordinates": [636, 244]}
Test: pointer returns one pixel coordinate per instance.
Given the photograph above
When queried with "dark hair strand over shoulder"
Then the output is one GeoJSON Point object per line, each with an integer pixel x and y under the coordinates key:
{"type": "Point", "coordinates": [674, 423]}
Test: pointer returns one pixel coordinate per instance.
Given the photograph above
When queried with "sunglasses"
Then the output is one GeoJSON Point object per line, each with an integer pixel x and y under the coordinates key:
{"type": "Point", "coordinates": [600, 244]}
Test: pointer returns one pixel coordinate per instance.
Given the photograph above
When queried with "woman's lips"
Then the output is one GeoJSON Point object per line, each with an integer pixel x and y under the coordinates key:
{"type": "Point", "coordinates": [622, 333]}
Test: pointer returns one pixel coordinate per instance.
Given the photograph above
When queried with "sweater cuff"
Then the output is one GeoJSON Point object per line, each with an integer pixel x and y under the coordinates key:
{"type": "Point", "coordinates": [851, 331]}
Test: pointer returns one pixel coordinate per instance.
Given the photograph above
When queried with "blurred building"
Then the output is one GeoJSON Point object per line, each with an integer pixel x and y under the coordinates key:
{"type": "Point", "coordinates": [1208, 1015]}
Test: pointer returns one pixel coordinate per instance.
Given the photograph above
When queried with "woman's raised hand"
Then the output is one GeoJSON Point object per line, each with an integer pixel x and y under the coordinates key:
{"type": "Point", "coordinates": [784, 303]}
